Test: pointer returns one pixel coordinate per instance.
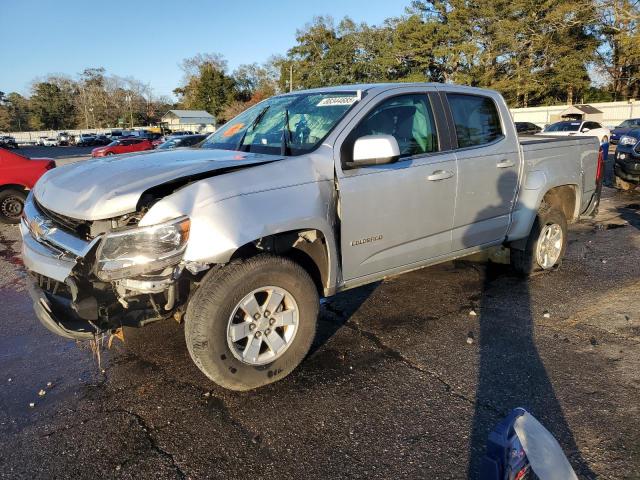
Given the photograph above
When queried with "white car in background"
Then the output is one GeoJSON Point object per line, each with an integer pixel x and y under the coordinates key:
{"type": "Point", "coordinates": [578, 128]}
{"type": "Point", "coordinates": [50, 142]}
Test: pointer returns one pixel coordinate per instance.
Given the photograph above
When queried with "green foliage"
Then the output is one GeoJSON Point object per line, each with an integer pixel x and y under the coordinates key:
{"type": "Point", "coordinates": [533, 52]}
{"type": "Point", "coordinates": [207, 86]}
{"type": "Point", "coordinates": [618, 53]}
{"type": "Point", "coordinates": [52, 104]}
{"type": "Point", "coordinates": [18, 110]}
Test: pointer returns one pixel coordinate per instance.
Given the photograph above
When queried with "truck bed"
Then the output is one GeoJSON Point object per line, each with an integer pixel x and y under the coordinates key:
{"type": "Point", "coordinates": [563, 157]}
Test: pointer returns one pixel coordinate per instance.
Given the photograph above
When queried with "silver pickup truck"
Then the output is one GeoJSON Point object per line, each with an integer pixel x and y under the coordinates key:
{"type": "Point", "coordinates": [302, 196]}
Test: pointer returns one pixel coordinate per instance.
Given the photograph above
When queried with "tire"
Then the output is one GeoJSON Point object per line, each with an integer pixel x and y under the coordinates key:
{"type": "Point", "coordinates": [209, 320]}
{"type": "Point", "coordinates": [11, 205]}
{"type": "Point", "coordinates": [623, 184]}
{"type": "Point", "coordinates": [108, 153]}
{"type": "Point", "coordinates": [527, 262]}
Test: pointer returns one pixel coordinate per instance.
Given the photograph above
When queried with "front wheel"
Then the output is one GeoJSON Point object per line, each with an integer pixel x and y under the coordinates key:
{"type": "Point", "coordinates": [11, 205]}
{"type": "Point", "coordinates": [252, 322]}
{"type": "Point", "coordinates": [546, 244]}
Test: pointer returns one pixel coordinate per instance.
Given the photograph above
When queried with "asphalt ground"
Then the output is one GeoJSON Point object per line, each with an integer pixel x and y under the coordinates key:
{"type": "Point", "coordinates": [402, 381]}
{"type": "Point", "coordinates": [62, 155]}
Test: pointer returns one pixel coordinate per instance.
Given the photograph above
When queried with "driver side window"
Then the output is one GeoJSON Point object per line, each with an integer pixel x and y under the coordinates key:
{"type": "Point", "coordinates": [408, 118]}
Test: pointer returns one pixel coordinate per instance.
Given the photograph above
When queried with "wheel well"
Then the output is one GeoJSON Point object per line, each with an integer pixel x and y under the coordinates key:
{"type": "Point", "coordinates": [10, 186]}
{"type": "Point", "coordinates": [564, 198]}
{"type": "Point", "coordinates": [308, 248]}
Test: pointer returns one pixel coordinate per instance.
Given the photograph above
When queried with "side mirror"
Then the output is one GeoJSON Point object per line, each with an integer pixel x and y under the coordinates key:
{"type": "Point", "coordinates": [375, 150]}
{"type": "Point", "coordinates": [585, 130]}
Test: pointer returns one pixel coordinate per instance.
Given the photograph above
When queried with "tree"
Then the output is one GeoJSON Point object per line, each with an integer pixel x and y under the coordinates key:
{"type": "Point", "coordinates": [252, 78]}
{"type": "Point", "coordinates": [207, 86]}
{"type": "Point", "coordinates": [18, 109]}
{"type": "Point", "coordinates": [531, 52]}
{"type": "Point", "coordinates": [618, 54]}
{"type": "Point", "coordinates": [326, 54]}
{"type": "Point", "coordinates": [52, 104]}
{"type": "Point", "coordinates": [252, 84]}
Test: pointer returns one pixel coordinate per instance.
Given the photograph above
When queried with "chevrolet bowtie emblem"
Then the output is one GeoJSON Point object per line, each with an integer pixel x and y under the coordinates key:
{"type": "Point", "coordinates": [41, 228]}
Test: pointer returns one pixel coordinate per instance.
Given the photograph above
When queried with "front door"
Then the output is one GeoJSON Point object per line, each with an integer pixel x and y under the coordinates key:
{"type": "Point", "coordinates": [397, 214]}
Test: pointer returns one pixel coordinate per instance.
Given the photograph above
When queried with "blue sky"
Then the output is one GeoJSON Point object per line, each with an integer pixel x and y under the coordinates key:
{"type": "Point", "coordinates": [148, 39]}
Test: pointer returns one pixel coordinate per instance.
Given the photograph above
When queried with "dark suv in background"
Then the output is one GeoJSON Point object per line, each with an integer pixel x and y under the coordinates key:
{"type": "Point", "coordinates": [623, 129]}
{"type": "Point", "coordinates": [627, 160]}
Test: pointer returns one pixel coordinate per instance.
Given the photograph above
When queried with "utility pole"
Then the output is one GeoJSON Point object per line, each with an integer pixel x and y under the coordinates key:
{"type": "Point", "coordinates": [86, 113]}
{"type": "Point", "coordinates": [128, 99]}
{"type": "Point", "coordinates": [291, 77]}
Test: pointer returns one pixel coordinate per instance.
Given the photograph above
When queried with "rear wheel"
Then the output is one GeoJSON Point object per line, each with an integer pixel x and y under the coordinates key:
{"type": "Point", "coordinates": [252, 322]}
{"type": "Point", "coordinates": [11, 205]}
{"type": "Point", "coordinates": [546, 244]}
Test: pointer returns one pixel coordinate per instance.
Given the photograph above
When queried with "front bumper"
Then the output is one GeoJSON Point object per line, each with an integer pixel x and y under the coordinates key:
{"type": "Point", "coordinates": [627, 163]}
{"type": "Point", "coordinates": [56, 314]}
{"type": "Point", "coordinates": [624, 175]}
{"type": "Point", "coordinates": [48, 249]}
{"type": "Point", "coordinates": [43, 259]}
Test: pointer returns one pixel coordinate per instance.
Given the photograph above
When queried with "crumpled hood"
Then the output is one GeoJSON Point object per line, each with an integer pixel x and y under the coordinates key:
{"type": "Point", "coordinates": [111, 186]}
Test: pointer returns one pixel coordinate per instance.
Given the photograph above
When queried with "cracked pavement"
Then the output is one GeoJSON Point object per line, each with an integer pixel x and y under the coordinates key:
{"type": "Point", "coordinates": [402, 382]}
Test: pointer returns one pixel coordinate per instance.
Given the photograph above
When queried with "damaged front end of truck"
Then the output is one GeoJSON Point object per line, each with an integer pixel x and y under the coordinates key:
{"type": "Point", "coordinates": [90, 277]}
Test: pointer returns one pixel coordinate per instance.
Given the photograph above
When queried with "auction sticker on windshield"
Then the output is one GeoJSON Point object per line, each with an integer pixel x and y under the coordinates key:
{"type": "Point", "coordinates": [233, 129]}
{"type": "Point", "coordinates": [334, 101]}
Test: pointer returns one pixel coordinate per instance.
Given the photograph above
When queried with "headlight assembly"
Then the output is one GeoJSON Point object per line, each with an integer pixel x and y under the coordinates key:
{"type": "Point", "coordinates": [142, 250]}
{"type": "Point", "coordinates": [626, 140]}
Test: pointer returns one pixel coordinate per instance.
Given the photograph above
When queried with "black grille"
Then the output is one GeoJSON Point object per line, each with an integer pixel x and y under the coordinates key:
{"type": "Point", "coordinates": [78, 227]}
{"type": "Point", "coordinates": [51, 286]}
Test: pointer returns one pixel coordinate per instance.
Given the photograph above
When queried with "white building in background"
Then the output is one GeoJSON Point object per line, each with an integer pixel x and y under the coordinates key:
{"type": "Point", "coordinates": [193, 120]}
{"type": "Point", "coordinates": [610, 114]}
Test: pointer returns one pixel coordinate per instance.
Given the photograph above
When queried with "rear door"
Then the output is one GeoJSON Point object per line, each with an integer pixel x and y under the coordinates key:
{"type": "Point", "coordinates": [401, 213]}
{"type": "Point", "coordinates": [130, 145]}
{"type": "Point", "coordinates": [488, 158]}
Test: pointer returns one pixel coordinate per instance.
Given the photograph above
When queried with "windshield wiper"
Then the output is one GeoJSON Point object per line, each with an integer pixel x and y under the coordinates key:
{"type": "Point", "coordinates": [253, 125]}
{"type": "Point", "coordinates": [286, 134]}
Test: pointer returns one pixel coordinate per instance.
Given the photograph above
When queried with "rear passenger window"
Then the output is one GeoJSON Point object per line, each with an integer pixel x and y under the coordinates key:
{"type": "Point", "coordinates": [476, 118]}
{"type": "Point", "coordinates": [408, 118]}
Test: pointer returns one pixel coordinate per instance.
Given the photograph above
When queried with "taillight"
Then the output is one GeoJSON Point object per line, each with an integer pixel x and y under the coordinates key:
{"type": "Point", "coordinates": [600, 168]}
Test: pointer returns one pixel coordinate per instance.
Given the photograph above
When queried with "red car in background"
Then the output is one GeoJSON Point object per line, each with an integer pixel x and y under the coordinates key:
{"type": "Point", "coordinates": [18, 174]}
{"type": "Point", "coordinates": [124, 145]}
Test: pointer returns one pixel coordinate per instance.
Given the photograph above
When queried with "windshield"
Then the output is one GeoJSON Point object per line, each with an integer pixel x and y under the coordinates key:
{"type": "Point", "coordinates": [563, 127]}
{"type": "Point", "coordinates": [632, 122]}
{"type": "Point", "coordinates": [114, 144]}
{"type": "Point", "coordinates": [168, 144]}
{"type": "Point", "coordinates": [264, 127]}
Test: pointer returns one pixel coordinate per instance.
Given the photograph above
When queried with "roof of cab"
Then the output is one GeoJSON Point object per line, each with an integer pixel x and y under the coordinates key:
{"type": "Point", "coordinates": [381, 86]}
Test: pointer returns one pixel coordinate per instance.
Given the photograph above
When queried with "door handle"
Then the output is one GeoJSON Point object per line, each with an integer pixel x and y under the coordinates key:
{"type": "Point", "coordinates": [439, 175]}
{"type": "Point", "coordinates": [505, 164]}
